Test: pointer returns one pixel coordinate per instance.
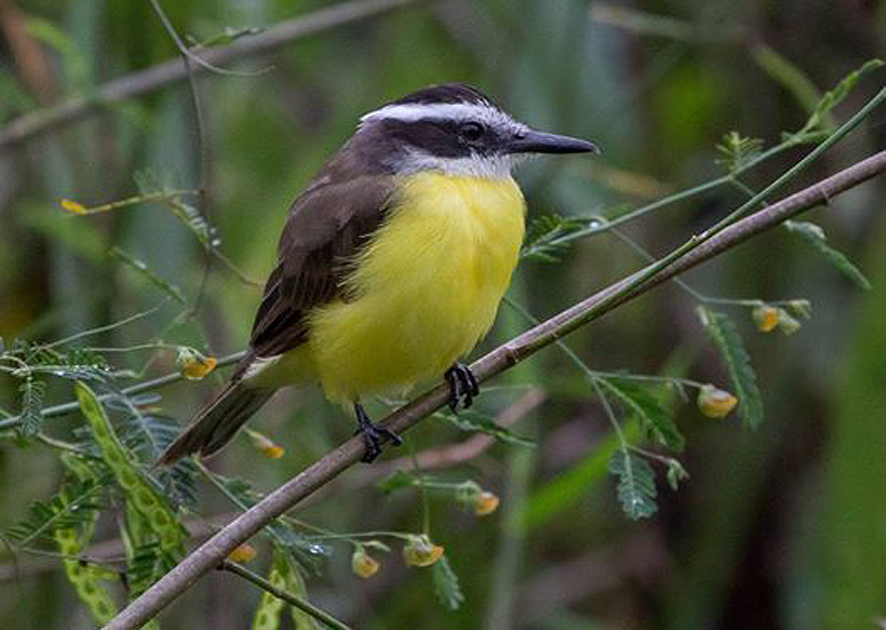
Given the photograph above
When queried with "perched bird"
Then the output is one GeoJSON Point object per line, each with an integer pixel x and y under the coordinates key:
{"type": "Point", "coordinates": [391, 265]}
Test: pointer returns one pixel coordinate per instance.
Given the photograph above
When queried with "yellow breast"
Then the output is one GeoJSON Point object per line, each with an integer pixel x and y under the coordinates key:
{"type": "Point", "coordinates": [428, 287]}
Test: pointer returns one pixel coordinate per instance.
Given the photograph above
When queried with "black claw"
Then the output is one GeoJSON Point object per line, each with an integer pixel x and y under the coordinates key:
{"type": "Point", "coordinates": [373, 435]}
{"type": "Point", "coordinates": [463, 386]}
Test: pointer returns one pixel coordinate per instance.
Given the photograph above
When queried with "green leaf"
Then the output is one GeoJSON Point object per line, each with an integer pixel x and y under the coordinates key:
{"type": "Point", "coordinates": [446, 584]}
{"type": "Point", "coordinates": [640, 403]}
{"type": "Point", "coordinates": [142, 269]}
{"type": "Point", "coordinates": [832, 98]}
{"type": "Point", "coordinates": [32, 391]}
{"type": "Point", "coordinates": [71, 508]}
{"type": "Point", "coordinates": [815, 236]}
{"type": "Point", "coordinates": [738, 151]}
{"type": "Point", "coordinates": [470, 420]}
{"type": "Point", "coordinates": [636, 486]}
{"type": "Point", "coordinates": [397, 480]}
{"type": "Point", "coordinates": [738, 364]}
{"type": "Point", "coordinates": [542, 236]}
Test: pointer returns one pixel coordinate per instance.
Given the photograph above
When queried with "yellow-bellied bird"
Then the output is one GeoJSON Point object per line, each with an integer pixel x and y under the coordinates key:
{"type": "Point", "coordinates": [391, 265]}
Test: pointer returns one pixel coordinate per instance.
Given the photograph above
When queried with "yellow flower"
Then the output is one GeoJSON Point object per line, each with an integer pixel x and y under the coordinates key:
{"type": "Point", "coordinates": [265, 445]}
{"type": "Point", "coordinates": [243, 553]}
{"type": "Point", "coordinates": [715, 402]}
{"type": "Point", "coordinates": [485, 503]}
{"type": "Point", "coordinates": [363, 564]}
{"type": "Point", "coordinates": [193, 365]}
{"type": "Point", "coordinates": [419, 551]}
{"type": "Point", "coordinates": [73, 207]}
{"type": "Point", "coordinates": [766, 317]}
{"type": "Point", "coordinates": [481, 501]}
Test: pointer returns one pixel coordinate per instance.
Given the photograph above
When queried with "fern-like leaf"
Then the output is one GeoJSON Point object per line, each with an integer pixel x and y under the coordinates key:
{"type": "Point", "coordinates": [32, 391]}
{"type": "Point", "coordinates": [640, 403]}
{"type": "Point", "coordinates": [738, 151]}
{"type": "Point", "coordinates": [636, 485]}
{"type": "Point", "coordinates": [832, 98]}
{"type": "Point", "coordinates": [446, 584]}
{"type": "Point", "coordinates": [470, 420]}
{"type": "Point", "coordinates": [542, 240]}
{"type": "Point", "coordinates": [815, 236]}
{"type": "Point", "coordinates": [70, 508]}
{"type": "Point", "coordinates": [742, 378]}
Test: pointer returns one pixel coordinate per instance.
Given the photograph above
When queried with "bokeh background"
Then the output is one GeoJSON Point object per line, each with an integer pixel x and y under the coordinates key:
{"type": "Point", "coordinates": [781, 527]}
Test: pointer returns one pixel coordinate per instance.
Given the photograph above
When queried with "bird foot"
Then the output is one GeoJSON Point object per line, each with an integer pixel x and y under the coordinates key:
{"type": "Point", "coordinates": [463, 386]}
{"type": "Point", "coordinates": [373, 435]}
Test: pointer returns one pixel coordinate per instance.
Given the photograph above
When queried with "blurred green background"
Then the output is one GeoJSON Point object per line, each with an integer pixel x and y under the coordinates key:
{"type": "Point", "coordinates": [782, 527]}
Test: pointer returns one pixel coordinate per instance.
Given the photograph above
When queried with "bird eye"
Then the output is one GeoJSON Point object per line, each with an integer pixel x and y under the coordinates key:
{"type": "Point", "coordinates": [471, 130]}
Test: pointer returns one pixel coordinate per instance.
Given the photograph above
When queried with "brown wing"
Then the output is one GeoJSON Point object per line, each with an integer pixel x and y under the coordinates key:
{"type": "Point", "coordinates": [327, 226]}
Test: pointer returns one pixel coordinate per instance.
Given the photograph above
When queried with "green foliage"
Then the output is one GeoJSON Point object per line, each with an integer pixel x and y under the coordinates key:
{"type": "Point", "coordinates": [636, 484]}
{"type": "Point", "coordinates": [638, 402]}
{"type": "Point", "coordinates": [543, 236]}
{"type": "Point", "coordinates": [446, 584]}
{"type": "Point", "coordinates": [143, 270]}
{"type": "Point", "coordinates": [815, 236]}
{"type": "Point", "coordinates": [742, 378]}
{"type": "Point", "coordinates": [306, 552]}
{"type": "Point", "coordinates": [71, 509]}
{"type": "Point", "coordinates": [820, 115]}
{"type": "Point", "coordinates": [471, 420]}
{"type": "Point", "coordinates": [737, 151]}
{"type": "Point", "coordinates": [32, 391]}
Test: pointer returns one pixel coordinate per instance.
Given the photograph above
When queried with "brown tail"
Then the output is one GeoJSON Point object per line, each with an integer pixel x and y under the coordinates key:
{"type": "Point", "coordinates": [217, 423]}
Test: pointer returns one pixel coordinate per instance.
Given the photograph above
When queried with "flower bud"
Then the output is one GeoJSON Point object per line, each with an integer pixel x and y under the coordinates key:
{"type": "Point", "coordinates": [243, 553]}
{"type": "Point", "coordinates": [787, 324]}
{"type": "Point", "coordinates": [715, 402]}
{"type": "Point", "coordinates": [419, 551]}
{"type": "Point", "coordinates": [193, 365]}
{"type": "Point", "coordinates": [265, 445]}
{"type": "Point", "coordinates": [766, 317]}
{"type": "Point", "coordinates": [73, 207]}
{"type": "Point", "coordinates": [363, 564]}
{"type": "Point", "coordinates": [485, 503]}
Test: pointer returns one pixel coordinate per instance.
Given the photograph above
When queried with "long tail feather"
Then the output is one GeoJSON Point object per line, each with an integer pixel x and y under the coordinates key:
{"type": "Point", "coordinates": [217, 423]}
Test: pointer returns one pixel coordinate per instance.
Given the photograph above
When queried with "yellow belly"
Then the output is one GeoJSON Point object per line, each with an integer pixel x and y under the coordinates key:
{"type": "Point", "coordinates": [427, 287]}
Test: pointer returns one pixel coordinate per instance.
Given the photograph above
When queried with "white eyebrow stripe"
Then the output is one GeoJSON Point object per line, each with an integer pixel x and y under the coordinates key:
{"type": "Point", "coordinates": [409, 112]}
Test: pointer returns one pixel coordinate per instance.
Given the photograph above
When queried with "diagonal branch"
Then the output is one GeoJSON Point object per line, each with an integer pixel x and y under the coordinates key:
{"type": "Point", "coordinates": [214, 551]}
{"type": "Point", "coordinates": [160, 75]}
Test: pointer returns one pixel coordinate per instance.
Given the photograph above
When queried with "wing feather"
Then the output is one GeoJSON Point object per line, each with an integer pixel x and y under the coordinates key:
{"type": "Point", "coordinates": [327, 227]}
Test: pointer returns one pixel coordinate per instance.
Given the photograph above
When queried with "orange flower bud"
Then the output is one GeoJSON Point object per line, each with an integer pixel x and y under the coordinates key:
{"type": "Point", "coordinates": [73, 207]}
{"type": "Point", "coordinates": [193, 365]}
{"type": "Point", "coordinates": [265, 445]}
{"type": "Point", "coordinates": [363, 564]}
{"type": "Point", "coordinates": [243, 553]}
{"type": "Point", "coordinates": [766, 317]}
{"type": "Point", "coordinates": [419, 551]}
{"type": "Point", "coordinates": [485, 503]}
{"type": "Point", "coordinates": [715, 402]}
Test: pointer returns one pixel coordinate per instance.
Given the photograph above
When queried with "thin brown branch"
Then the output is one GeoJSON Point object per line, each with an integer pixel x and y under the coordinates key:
{"type": "Point", "coordinates": [35, 123]}
{"type": "Point", "coordinates": [208, 556]}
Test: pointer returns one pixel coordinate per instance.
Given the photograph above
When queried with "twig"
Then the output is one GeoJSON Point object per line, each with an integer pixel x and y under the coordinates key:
{"type": "Point", "coordinates": [262, 583]}
{"type": "Point", "coordinates": [35, 123]}
{"type": "Point", "coordinates": [208, 556]}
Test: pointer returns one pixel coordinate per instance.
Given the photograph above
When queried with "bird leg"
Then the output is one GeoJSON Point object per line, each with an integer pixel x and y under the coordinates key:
{"type": "Point", "coordinates": [463, 386]}
{"type": "Point", "coordinates": [373, 435]}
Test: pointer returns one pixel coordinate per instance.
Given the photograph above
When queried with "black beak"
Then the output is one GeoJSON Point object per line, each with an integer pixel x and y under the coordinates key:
{"type": "Point", "coordinates": [540, 142]}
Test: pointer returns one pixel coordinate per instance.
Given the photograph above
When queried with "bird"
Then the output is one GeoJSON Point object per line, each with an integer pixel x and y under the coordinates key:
{"type": "Point", "coordinates": [391, 265]}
